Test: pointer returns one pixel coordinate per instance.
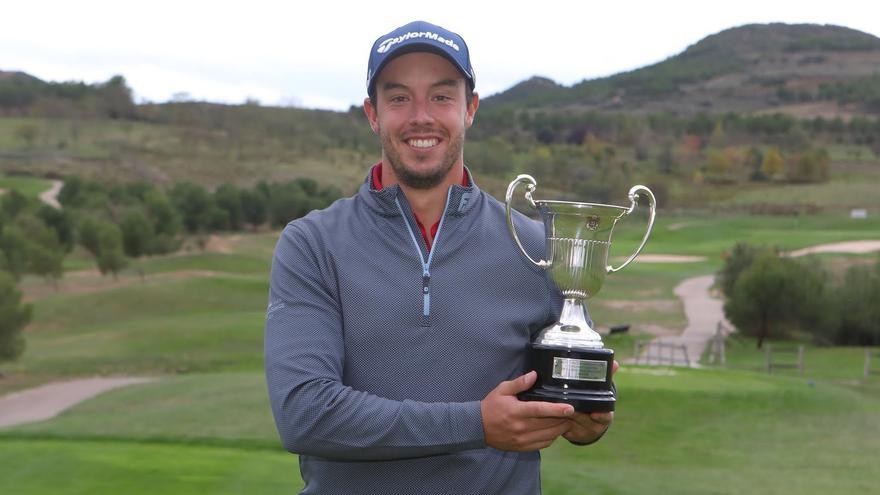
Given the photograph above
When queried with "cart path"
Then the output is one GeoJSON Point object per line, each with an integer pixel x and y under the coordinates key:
{"type": "Point", "coordinates": [47, 401]}
{"type": "Point", "coordinates": [50, 196]}
{"type": "Point", "coordinates": [705, 313]}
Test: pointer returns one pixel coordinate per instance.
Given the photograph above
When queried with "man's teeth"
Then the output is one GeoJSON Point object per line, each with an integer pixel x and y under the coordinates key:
{"type": "Point", "coordinates": [422, 143]}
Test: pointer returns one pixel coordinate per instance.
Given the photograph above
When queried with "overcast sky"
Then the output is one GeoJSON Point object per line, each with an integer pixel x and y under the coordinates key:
{"type": "Point", "coordinates": [314, 53]}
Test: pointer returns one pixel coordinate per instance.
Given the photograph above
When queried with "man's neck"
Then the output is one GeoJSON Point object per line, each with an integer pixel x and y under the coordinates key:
{"type": "Point", "coordinates": [426, 204]}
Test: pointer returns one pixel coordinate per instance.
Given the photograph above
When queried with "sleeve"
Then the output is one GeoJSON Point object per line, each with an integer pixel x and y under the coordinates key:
{"type": "Point", "coordinates": [315, 412]}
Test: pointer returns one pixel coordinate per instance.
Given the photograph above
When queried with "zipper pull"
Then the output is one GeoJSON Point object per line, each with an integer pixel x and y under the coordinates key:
{"type": "Point", "coordinates": [426, 295]}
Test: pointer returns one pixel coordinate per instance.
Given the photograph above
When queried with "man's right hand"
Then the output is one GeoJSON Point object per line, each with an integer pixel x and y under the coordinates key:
{"type": "Point", "coordinates": [521, 426]}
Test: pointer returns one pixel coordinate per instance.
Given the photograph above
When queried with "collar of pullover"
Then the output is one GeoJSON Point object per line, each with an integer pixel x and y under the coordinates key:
{"type": "Point", "coordinates": [461, 198]}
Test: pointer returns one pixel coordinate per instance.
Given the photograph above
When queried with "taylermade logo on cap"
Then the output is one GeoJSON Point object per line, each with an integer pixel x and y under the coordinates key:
{"type": "Point", "coordinates": [387, 44]}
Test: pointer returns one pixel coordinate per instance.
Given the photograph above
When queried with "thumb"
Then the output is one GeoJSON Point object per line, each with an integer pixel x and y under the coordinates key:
{"type": "Point", "coordinates": [517, 385]}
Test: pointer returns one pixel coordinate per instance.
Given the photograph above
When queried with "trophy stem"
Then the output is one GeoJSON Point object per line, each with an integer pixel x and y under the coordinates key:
{"type": "Point", "coordinates": [574, 316]}
{"type": "Point", "coordinates": [573, 328]}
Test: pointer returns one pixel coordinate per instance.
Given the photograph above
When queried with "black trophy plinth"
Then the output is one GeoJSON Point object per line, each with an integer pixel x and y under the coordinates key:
{"type": "Point", "coordinates": [580, 377]}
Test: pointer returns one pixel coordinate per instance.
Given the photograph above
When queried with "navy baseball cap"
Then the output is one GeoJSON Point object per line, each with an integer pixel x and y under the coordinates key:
{"type": "Point", "coordinates": [420, 36]}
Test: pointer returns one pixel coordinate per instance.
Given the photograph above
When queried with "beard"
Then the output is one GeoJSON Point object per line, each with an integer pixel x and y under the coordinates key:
{"type": "Point", "coordinates": [415, 178]}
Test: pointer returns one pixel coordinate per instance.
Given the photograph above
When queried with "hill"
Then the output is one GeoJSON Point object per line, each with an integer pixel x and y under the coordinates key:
{"type": "Point", "coordinates": [805, 69]}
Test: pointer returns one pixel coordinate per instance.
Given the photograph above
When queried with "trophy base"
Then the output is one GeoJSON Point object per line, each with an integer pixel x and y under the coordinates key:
{"type": "Point", "coordinates": [582, 401]}
{"type": "Point", "coordinates": [580, 377]}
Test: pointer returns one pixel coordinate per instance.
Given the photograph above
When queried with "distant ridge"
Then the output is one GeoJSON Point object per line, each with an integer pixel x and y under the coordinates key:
{"type": "Point", "coordinates": [754, 67]}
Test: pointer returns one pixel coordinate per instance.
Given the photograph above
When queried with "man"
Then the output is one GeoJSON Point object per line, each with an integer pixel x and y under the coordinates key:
{"type": "Point", "coordinates": [399, 318]}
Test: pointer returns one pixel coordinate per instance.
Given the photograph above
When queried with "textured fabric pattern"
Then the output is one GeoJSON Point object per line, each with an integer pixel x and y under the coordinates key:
{"type": "Point", "coordinates": [373, 393]}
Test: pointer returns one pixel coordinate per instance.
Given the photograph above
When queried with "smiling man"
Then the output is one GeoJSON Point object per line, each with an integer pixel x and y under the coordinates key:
{"type": "Point", "coordinates": [399, 318]}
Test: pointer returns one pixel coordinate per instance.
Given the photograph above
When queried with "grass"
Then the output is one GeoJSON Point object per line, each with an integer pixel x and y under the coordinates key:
{"type": "Point", "coordinates": [675, 431]}
{"type": "Point", "coordinates": [699, 432]}
{"type": "Point", "coordinates": [196, 324]}
{"type": "Point", "coordinates": [820, 362]}
{"type": "Point", "coordinates": [84, 467]}
{"type": "Point", "coordinates": [27, 186]}
{"type": "Point", "coordinates": [712, 235]}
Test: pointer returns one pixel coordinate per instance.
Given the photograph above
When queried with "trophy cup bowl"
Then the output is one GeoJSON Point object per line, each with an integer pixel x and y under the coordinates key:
{"type": "Point", "coordinates": [572, 363]}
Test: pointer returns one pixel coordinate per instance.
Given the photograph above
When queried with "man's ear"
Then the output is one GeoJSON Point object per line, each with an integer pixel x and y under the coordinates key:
{"type": "Point", "coordinates": [372, 115]}
{"type": "Point", "coordinates": [472, 107]}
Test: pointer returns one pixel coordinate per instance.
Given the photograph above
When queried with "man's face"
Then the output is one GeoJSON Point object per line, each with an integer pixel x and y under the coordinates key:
{"type": "Point", "coordinates": [421, 114]}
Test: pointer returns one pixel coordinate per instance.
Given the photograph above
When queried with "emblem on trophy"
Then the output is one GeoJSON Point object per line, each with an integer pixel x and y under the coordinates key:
{"type": "Point", "coordinates": [572, 363]}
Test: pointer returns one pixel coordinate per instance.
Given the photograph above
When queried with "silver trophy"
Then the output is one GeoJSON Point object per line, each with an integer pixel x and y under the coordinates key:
{"type": "Point", "coordinates": [573, 365]}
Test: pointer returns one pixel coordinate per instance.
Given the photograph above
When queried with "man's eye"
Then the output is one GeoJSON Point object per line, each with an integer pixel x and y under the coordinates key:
{"type": "Point", "coordinates": [398, 99]}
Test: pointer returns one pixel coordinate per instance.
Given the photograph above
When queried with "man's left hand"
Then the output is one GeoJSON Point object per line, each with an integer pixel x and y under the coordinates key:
{"type": "Point", "coordinates": [588, 427]}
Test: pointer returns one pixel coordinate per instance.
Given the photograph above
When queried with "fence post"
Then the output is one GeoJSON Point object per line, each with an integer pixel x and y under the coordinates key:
{"type": "Point", "coordinates": [769, 359]}
{"type": "Point", "coordinates": [687, 360]}
{"type": "Point", "coordinates": [801, 359]}
{"type": "Point", "coordinates": [723, 344]}
{"type": "Point", "coordinates": [867, 361]}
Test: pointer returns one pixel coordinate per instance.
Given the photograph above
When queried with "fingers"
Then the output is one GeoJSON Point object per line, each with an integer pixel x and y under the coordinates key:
{"type": "Point", "coordinates": [537, 409]}
{"type": "Point", "coordinates": [602, 418]}
{"type": "Point", "coordinates": [614, 366]}
{"type": "Point", "coordinates": [542, 438]}
{"type": "Point", "coordinates": [517, 385]}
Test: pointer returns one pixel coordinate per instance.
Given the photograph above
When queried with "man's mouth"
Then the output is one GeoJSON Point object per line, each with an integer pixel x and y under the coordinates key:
{"type": "Point", "coordinates": [422, 143]}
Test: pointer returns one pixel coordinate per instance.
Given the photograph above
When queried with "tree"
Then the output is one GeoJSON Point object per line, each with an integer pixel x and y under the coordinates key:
{"type": "Point", "coordinates": [773, 165]}
{"type": "Point", "coordinates": [809, 166]}
{"type": "Point", "coordinates": [12, 203]}
{"type": "Point", "coordinates": [137, 234]}
{"type": "Point", "coordinates": [116, 99]}
{"type": "Point", "coordinates": [166, 220]}
{"type": "Point", "coordinates": [45, 254]}
{"type": "Point", "coordinates": [14, 246]}
{"type": "Point", "coordinates": [88, 235]}
{"type": "Point", "coordinates": [111, 257]}
{"type": "Point", "coordinates": [287, 201]}
{"type": "Point", "coordinates": [752, 163]}
{"type": "Point", "coordinates": [61, 222]}
{"type": "Point", "coordinates": [857, 305]}
{"type": "Point", "coordinates": [735, 262]}
{"type": "Point", "coordinates": [253, 207]}
{"type": "Point", "coordinates": [194, 204]}
{"type": "Point", "coordinates": [13, 317]}
{"type": "Point", "coordinates": [28, 133]}
{"type": "Point", "coordinates": [228, 198]}
{"type": "Point", "coordinates": [775, 296]}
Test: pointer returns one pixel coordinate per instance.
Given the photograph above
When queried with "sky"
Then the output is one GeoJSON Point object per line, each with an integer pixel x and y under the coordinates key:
{"type": "Point", "coordinates": [313, 54]}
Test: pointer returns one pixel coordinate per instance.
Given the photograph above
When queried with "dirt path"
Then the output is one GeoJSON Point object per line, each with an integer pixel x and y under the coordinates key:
{"type": "Point", "coordinates": [705, 312]}
{"type": "Point", "coordinates": [50, 196]}
{"type": "Point", "coordinates": [47, 401]}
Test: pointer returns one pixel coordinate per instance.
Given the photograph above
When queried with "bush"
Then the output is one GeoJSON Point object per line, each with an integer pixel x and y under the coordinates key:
{"type": "Point", "coordinates": [776, 296]}
{"type": "Point", "coordinates": [13, 317]}
{"type": "Point", "coordinates": [857, 302]}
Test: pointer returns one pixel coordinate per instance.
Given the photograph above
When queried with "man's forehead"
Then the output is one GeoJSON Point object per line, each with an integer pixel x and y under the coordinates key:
{"type": "Point", "coordinates": [422, 65]}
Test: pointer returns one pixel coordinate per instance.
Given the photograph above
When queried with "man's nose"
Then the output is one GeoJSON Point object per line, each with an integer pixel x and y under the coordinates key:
{"type": "Point", "coordinates": [421, 112]}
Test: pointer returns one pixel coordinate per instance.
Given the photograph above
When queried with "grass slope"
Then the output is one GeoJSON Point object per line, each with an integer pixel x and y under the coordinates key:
{"type": "Point", "coordinates": [681, 431]}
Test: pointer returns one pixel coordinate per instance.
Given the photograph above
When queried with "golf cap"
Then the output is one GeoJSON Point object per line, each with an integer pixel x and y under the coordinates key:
{"type": "Point", "coordinates": [420, 36]}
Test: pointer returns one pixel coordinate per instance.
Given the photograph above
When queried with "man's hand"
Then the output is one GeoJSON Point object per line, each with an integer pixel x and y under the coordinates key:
{"type": "Point", "coordinates": [512, 424]}
{"type": "Point", "coordinates": [588, 427]}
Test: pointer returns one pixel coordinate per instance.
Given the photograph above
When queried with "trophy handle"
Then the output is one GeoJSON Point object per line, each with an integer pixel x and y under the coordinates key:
{"type": "Point", "coordinates": [530, 187]}
{"type": "Point", "coordinates": [634, 199]}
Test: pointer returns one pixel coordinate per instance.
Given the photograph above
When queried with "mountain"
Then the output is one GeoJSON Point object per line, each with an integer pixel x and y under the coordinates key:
{"type": "Point", "coordinates": [803, 69]}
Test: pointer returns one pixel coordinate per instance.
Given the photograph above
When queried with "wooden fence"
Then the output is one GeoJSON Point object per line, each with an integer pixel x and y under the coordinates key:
{"type": "Point", "coordinates": [871, 355]}
{"type": "Point", "coordinates": [660, 353]}
{"type": "Point", "coordinates": [774, 363]}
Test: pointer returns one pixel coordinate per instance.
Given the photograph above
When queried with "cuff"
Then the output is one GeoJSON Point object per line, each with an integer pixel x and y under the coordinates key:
{"type": "Point", "coordinates": [467, 424]}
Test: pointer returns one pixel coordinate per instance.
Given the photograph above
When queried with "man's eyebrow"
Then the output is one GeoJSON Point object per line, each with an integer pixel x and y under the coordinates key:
{"type": "Point", "coordinates": [388, 86]}
{"type": "Point", "coordinates": [447, 82]}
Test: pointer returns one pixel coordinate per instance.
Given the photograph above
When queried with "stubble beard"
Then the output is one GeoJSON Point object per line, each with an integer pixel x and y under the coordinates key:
{"type": "Point", "coordinates": [422, 179]}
